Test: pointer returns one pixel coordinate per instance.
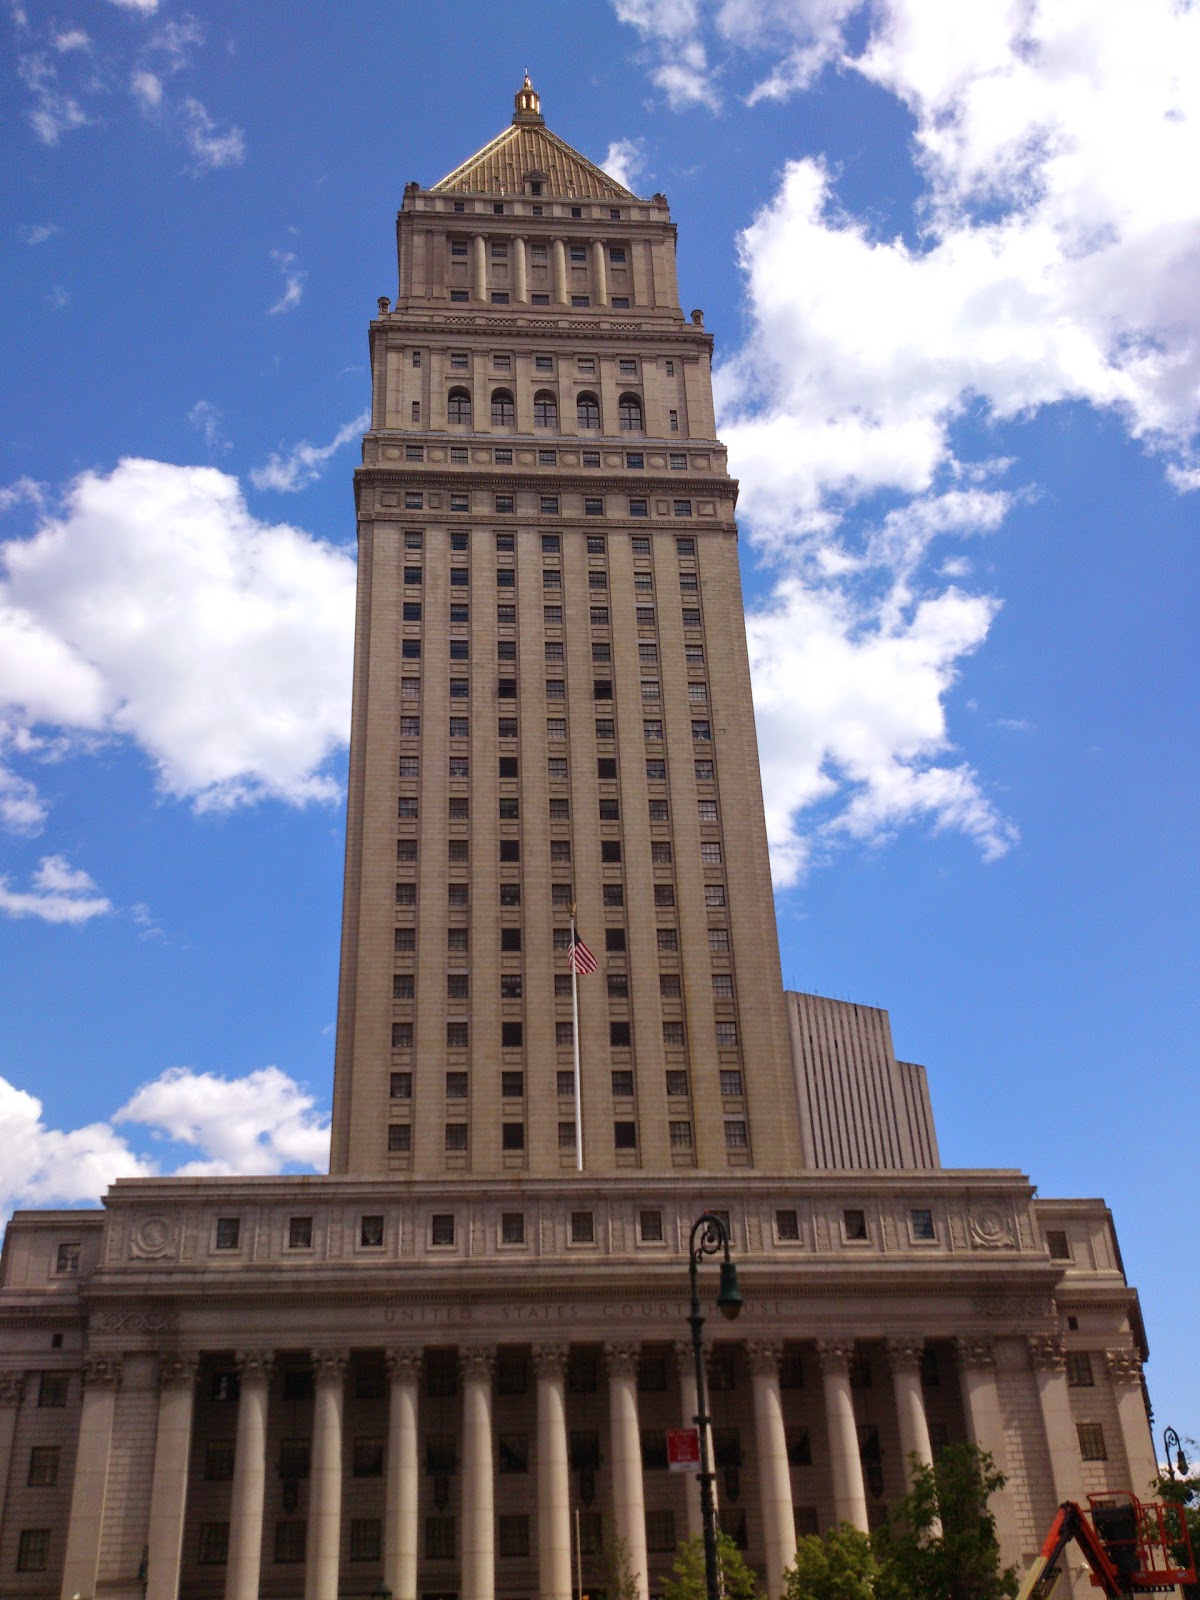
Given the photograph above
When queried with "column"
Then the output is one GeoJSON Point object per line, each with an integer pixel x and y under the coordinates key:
{"type": "Point", "coordinates": [689, 1406]}
{"type": "Point", "coordinates": [558, 272]}
{"type": "Point", "coordinates": [774, 1471]}
{"type": "Point", "coordinates": [599, 273]}
{"type": "Point", "coordinates": [249, 1475]}
{"type": "Point", "coordinates": [1125, 1373]}
{"type": "Point", "coordinates": [904, 1358]}
{"type": "Point", "coordinates": [849, 1491]}
{"type": "Point", "coordinates": [520, 273]}
{"type": "Point", "coordinates": [985, 1429]}
{"type": "Point", "coordinates": [12, 1392]}
{"type": "Point", "coordinates": [1049, 1358]}
{"type": "Point", "coordinates": [400, 1490]}
{"type": "Point", "coordinates": [479, 282]}
{"type": "Point", "coordinates": [478, 1531]}
{"type": "Point", "coordinates": [168, 1489]}
{"type": "Point", "coordinates": [325, 1476]}
{"type": "Point", "coordinates": [625, 1449]}
{"type": "Point", "coordinates": [101, 1378]}
{"type": "Point", "coordinates": [553, 1479]}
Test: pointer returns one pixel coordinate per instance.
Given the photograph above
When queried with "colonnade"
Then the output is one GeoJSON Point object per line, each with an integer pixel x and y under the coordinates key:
{"type": "Point", "coordinates": [835, 1358]}
{"type": "Point", "coordinates": [518, 282]}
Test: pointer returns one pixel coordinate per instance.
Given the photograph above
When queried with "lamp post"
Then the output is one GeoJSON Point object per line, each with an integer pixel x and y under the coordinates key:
{"type": "Point", "coordinates": [709, 1235]}
{"type": "Point", "coordinates": [1173, 1453]}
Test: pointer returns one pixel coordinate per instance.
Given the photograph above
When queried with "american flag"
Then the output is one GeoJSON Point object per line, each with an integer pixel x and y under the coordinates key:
{"type": "Point", "coordinates": [581, 958]}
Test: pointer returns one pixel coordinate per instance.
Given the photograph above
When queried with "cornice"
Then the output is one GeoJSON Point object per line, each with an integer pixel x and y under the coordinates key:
{"type": "Point", "coordinates": [541, 323]}
{"type": "Point", "coordinates": [402, 473]}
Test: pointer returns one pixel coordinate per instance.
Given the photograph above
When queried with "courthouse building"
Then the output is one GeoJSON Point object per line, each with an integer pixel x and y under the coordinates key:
{"type": "Point", "coordinates": [433, 1367]}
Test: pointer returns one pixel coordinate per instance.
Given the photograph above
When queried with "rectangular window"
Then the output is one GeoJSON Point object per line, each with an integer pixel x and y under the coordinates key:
{"type": "Point", "coordinates": [399, 1136]}
{"type": "Point", "coordinates": [710, 853]}
{"type": "Point", "coordinates": [1079, 1370]}
{"type": "Point", "coordinates": [669, 986]}
{"type": "Point", "coordinates": [566, 1135]}
{"type": "Point", "coordinates": [668, 939]}
{"type": "Point", "coordinates": [512, 1231]}
{"type": "Point", "coordinates": [625, 1135]}
{"type": "Point", "coordinates": [582, 1223]}
{"type": "Point", "coordinates": [300, 1233]}
{"type": "Point", "coordinates": [920, 1223]}
{"type": "Point", "coordinates": [213, 1550]}
{"type": "Point", "coordinates": [681, 1135]}
{"type": "Point", "coordinates": [43, 1466]}
{"type": "Point", "coordinates": [731, 1084]}
{"type": "Point", "coordinates": [66, 1261]}
{"type": "Point", "coordinates": [564, 1035]}
{"type": "Point", "coordinates": [787, 1225]}
{"type": "Point", "coordinates": [552, 616]}
{"type": "Point", "coordinates": [673, 415]}
{"type": "Point", "coordinates": [580, 302]}
{"type": "Point", "coordinates": [441, 1228]}
{"type": "Point", "coordinates": [701, 732]}
{"type": "Point", "coordinates": [660, 1531]}
{"type": "Point", "coordinates": [439, 1539]}
{"type": "Point", "coordinates": [1091, 1441]}
{"type": "Point", "coordinates": [593, 507]}
{"type": "Point", "coordinates": [658, 811]}
{"type": "Point", "coordinates": [650, 1226]}
{"type": "Point", "coordinates": [370, 1231]}
{"type": "Point", "coordinates": [1058, 1245]}
{"type": "Point", "coordinates": [456, 1036]}
{"type": "Point", "coordinates": [736, 1137]}
{"type": "Point", "coordinates": [854, 1224]}
{"type": "Point", "coordinates": [229, 1233]}
{"type": "Point", "coordinates": [727, 1036]}
{"type": "Point", "coordinates": [622, 1084]}
{"type": "Point", "coordinates": [698, 693]}
{"type": "Point", "coordinates": [566, 1083]}
{"type": "Point", "coordinates": [673, 1035]}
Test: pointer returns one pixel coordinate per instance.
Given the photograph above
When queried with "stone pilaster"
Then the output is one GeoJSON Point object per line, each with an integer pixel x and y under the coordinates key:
{"type": "Point", "coordinates": [774, 1473]}
{"type": "Point", "coordinates": [849, 1490]}
{"type": "Point", "coordinates": [1048, 1356]}
{"type": "Point", "coordinates": [553, 1467]}
{"type": "Point", "coordinates": [404, 1365]}
{"type": "Point", "coordinates": [976, 1356]}
{"type": "Point", "coordinates": [168, 1489]}
{"type": "Point", "coordinates": [628, 1492]}
{"type": "Point", "coordinates": [1124, 1368]}
{"type": "Point", "coordinates": [244, 1564]}
{"type": "Point", "coordinates": [478, 1519]}
{"type": "Point", "coordinates": [101, 1379]}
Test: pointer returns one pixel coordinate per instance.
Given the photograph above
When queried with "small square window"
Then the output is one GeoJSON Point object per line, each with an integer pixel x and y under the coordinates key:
{"type": "Point", "coordinates": [736, 1136]}
{"type": "Point", "coordinates": [625, 1135]}
{"type": "Point", "coordinates": [920, 1223]}
{"type": "Point", "coordinates": [441, 1228]}
{"type": "Point", "coordinates": [731, 1083]}
{"type": "Point", "coordinates": [593, 507]}
{"type": "Point", "coordinates": [512, 1136]}
{"type": "Point", "coordinates": [1058, 1244]}
{"type": "Point", "coordinates": [370, 1232]}
{"type": "Point", "coordinates": [650, 1227]}
{"type": "Point", "coordinates": [680, 1135]}
{"type": "Point", "coordinates": [1079, 1370]}
{"type": "Point", "coordinates": [1091, 1441]}
{"type": "Point", "coordinates": [300, 1233]}
{"type": "Point", "coordinates": [67, 1259]}
{"type": "Point", "coordinates": [400, 1136]}
{"type": "Point", "coordinates": [622, 1084]}
{"type": "Point", "coordinates": [787, 1225]}
{"type": "Point", "coordinates": [229, 1233]}
{"type": "Point", "coordinates": [854, 1225]}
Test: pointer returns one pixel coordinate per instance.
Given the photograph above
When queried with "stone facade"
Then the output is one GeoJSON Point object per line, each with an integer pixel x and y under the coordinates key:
{"type": "Point", "coordinates": [448, 1367]}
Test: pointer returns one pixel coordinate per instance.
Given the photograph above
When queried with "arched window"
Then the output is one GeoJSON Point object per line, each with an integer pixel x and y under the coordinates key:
{"type": "Point", "coordinates": [587, 411]}
{"type": "Point", "coordinates": [545, 410]}
{"type": "Point", "coordinates": [504, 412]}
{"type": "Point", "coordinates": [458, 406]}
{"type": "Point", "coordinates": [629, 413]}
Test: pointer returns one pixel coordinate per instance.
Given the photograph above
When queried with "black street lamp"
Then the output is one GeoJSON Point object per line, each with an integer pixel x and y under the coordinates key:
{"type": "Point", "coordinates": [710, 1234]}
{"type": "Point", "coordinates": [1173, 1453]}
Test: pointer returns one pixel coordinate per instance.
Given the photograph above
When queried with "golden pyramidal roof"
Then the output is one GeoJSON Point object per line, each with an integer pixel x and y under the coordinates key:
{"type": "Point", "coordinates": [529, 151]}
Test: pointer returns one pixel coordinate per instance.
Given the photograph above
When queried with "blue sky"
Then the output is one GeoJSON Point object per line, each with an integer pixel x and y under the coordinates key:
{"type": "Point", "coordinates": [950, 257]}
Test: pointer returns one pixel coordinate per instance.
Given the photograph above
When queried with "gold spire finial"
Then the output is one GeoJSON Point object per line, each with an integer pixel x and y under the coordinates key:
{"type": "Point", "coordinates": [528, 102]}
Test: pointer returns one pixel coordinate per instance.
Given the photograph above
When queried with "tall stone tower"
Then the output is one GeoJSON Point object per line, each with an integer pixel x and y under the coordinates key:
{"type": "Point", "coordinates": [551, 707]}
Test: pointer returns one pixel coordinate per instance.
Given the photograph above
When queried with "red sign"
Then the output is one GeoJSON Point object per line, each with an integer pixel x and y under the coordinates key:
{"type": "Point", "coordinates": [683, 1449]}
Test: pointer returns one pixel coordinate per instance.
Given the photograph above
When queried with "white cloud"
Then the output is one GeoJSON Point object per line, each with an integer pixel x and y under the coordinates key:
{"type": "Point", "coordinates": [35, 233]}
{"type": "Point", "coordinates": [155, 607]}
{"type": "Point", "coordinates": [22, 491]}
{"type": "Point", "coordinates": [146, 8]}
{"type": "Point", "coordinates": [22, 809]}
{"type": "Point", "coordinates": [625, 161]}
{"type": "Point", "coordinates": [54, 110]}
{"type": "Point", "coordinates": [58, 298]}
{"type": "Point", "coordinates": [210, 147]}
{"type": "Point", "coordinates": [70, 39]}
{"type": "Point", "coordinates": [45, 1167]}
{"type": "Point", "coordinates": [293, 282]}
{"type": "Point", "coordinates": [60, 893]}
{"type": "Point", "coordinates": [671, 30]}
{"type": "Point", "coordinates": [263, 1122]}
{"type": "Point", "coordinates": [209, 420]}
{"type": "Point", "coordinates": [146, 88]}
{"type": "Point", "coordinates": [304, 462]}
{"type": "Point", "coordinates": [1053, 256]}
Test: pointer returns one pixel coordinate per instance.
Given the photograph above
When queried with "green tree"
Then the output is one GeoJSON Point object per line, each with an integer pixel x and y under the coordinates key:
{"type": "Point", "coordinates": [940, 1543]}
{"type": "Point", "coordinates": [1183, 1490]}
{"type": "Point", "coordinates": [620, 1580]}
{"type": "Point", "coordinates": [688, 1582]}
{"type": "Point", "coordinates": [836, 1565]}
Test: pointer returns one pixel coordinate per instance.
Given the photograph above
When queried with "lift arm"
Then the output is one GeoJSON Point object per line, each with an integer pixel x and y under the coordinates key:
{"type": "Point", "coordinates": [1070, 1524]}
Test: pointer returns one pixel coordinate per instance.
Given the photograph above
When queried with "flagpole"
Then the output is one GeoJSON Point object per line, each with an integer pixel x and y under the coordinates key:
{"type": "Point", "coordinates": [575, 1037]}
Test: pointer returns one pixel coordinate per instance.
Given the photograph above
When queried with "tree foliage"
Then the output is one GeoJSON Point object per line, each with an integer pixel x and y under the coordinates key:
{"type": "Point", "coordinates": [1183, 1490]}
{"type": "Point", "coordinates": [836, 1565]}
{"type": "Point", "coordinates": [688, 1582]}
{"type": "Point", "coordinates": [939, 1543]}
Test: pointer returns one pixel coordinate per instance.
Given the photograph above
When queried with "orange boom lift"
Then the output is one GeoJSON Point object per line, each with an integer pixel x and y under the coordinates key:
{"type": "Point", "coordinates": [1132, 1547]}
